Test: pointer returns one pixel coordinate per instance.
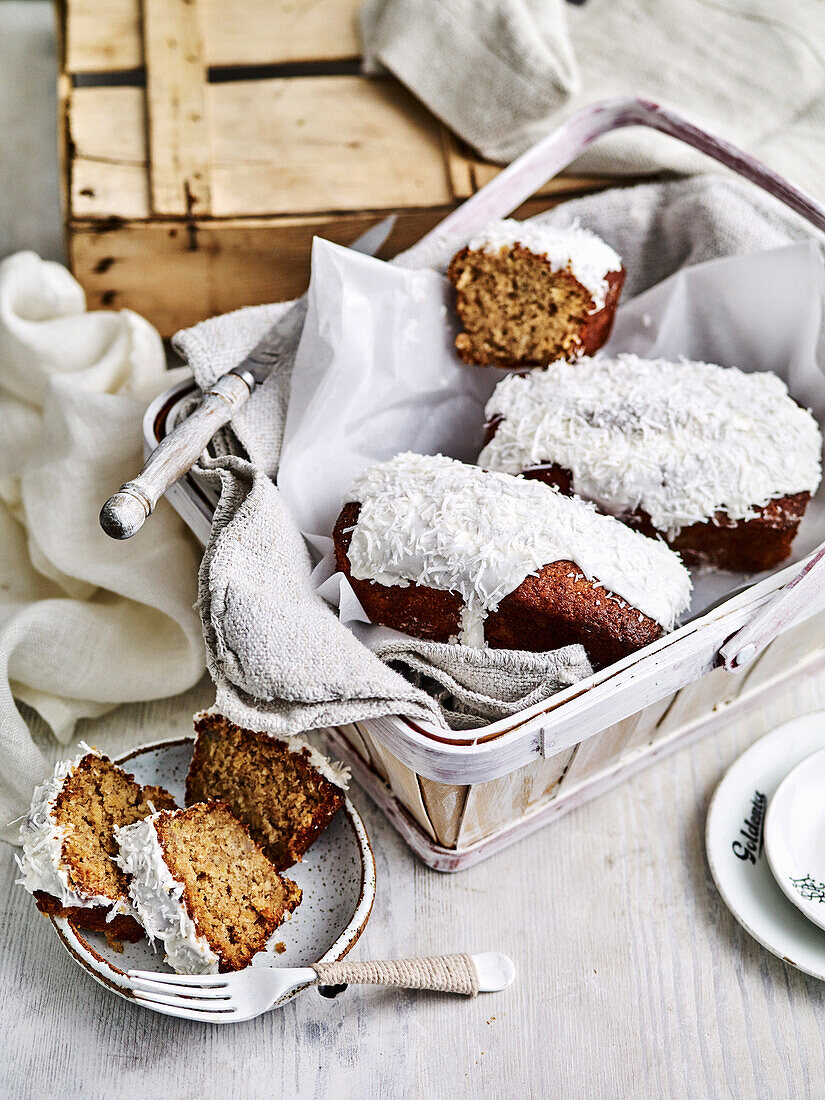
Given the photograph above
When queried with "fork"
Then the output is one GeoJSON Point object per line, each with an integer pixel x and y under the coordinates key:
{"type": "Point", "coordinates": [230, 998]}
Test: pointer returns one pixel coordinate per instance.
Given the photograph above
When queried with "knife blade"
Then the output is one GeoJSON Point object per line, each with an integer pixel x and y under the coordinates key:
{"type": "Point", "coordinates": [124, 513]}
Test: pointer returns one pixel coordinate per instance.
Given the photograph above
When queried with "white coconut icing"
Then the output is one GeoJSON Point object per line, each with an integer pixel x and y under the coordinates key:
{"type": "Point", "coordinates": [587, 257]}
{"type": "Point", "coordinates": [158, 899]}
{"type": "Point", "coordinates": [680, 440]}
{"type": "Point", "coordinates": [439, 523]}
{"type": "Point", "coordinates": [41, 865]}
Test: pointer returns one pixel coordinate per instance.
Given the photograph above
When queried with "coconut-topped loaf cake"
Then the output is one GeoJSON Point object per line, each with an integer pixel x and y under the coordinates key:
{"type": "Point", "coordinates": [283, 789]}
{"type": "Point", "coordinates": [529, 293]}
{"type": "Point", "coordinates": [203, 887]}
{"type": "Point", "coordinates": [718, 462]}
{"type": "Point", "coordinates": [451, 552]}
{"type": "Point", "coordinates": [69, 848]}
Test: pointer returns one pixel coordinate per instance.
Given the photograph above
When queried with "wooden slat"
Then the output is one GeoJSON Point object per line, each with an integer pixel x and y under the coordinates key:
{"type": "Point", "coordinates": [176, 108]}
{"type": "Point", "coordinates": [353, 738]}
{"type": "Point", "coordinates": [565, 184]}
{"type": "Point", "coordinates": [404, 783]}
{"type": "Point", "coordinates": [603, 751]}
{"type": "Point", "coordinates": [105, 35]}
{"type": "Point", "coordinates": [460, 165]}
{"type": "Point", "coordinates": [323, 143]}
{"type": "Point", "coordinates": [491, 806]}
{"type": "Point", "coordinates": [108, 126]}
{"type": "Point", "coordinates": [278, 146]}
{"type": "Point", "coordinates": [101, 35]}
{"type": "Point", "coordinates": [252, 32]}
{"type": "Point", "coordinates": [445, 809]}
{"type": "Point", "coordinates": [377, 764]}
{"type": "Point", "coordinates": [176, 274]}
{"type": "Point", "coordinates": [715, 690]}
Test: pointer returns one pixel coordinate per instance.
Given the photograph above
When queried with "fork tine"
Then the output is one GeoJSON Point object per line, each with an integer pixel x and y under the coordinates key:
{"type": "Point", "coordinates": [197, 981]}
{"type": "Point", "coordinates": [202, 993]}
{"type": "Point", "coordinates": [176, 1001]}
{"type": "Point", "coordinates": [186, 1013]}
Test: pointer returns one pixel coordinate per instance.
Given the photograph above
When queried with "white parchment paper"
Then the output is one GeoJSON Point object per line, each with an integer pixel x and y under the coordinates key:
{"type": "Point", "coordinates": [376, 373]}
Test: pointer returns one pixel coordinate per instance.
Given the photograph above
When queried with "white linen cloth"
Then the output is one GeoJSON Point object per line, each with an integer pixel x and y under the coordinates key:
{"type": "Point", "coordinates": [278, 654]}
{"type": "Point", "coordinates": [85, 623]}
{"type": "Point", "coordinates": [503, 73]}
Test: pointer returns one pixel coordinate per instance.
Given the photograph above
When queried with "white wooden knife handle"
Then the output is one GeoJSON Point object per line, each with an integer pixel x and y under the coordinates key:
{"type": "Point", "coordinates": [124, 514]}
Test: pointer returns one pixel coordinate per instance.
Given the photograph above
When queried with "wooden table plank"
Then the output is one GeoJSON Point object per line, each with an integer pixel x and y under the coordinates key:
{"type": "Point", "coordinates": [633, 978]}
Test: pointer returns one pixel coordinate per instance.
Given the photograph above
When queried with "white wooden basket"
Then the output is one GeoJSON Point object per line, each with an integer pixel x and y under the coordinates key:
{"type": "Point", "coordinates": [458, 797]}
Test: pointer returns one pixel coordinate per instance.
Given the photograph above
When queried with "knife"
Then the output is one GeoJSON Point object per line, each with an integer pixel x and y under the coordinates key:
{"type": "Point", "coordinates": [124, 514]}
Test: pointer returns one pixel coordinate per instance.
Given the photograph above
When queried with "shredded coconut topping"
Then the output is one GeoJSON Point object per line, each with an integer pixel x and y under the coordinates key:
{"type": "Point", "coordinates": [574, 249]}
{"type": "Point", "coordinates": [438, 523]}
{"type": "Point", "coordinates": [41, 865]}
{"type": "Point", "coordinates": [680, 440]}
{"type": "Point", "coordinates": [158, 899]}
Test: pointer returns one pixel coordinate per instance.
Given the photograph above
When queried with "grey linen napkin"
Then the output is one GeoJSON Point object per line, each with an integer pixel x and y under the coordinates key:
{"type": "Point", "coordinates": [503, 73]}
{"type": "Point", "coordinates": [276, 651]}
{"type": "Point", "coordinates": [474, 686]}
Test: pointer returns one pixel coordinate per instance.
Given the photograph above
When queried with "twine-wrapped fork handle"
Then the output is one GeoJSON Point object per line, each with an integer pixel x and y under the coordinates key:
{"type": "Point", "coordinates": [444, 973]}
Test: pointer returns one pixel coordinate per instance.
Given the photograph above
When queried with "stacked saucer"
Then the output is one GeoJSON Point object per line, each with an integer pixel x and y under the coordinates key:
{"type": "Point", "coordinates": [765, 840]}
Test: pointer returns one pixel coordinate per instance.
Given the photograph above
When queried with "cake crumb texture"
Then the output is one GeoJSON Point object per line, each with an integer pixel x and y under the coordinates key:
{"type": "Point", "coordinates": [284, 800]}
{"type": "Point", "coordinates": [231, 890]}
{"type": "Point", "coordinates": [518, 311]}
{"type": "Point", "coordinates": [97, 797]}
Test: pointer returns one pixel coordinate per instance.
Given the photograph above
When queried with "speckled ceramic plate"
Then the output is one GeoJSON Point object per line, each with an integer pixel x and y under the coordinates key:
{"type": "Point", "coordinates": [337, 876]}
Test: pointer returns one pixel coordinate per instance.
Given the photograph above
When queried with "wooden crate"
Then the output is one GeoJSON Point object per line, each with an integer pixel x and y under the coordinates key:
{"type": "Point", "coordinates": [205, 142]}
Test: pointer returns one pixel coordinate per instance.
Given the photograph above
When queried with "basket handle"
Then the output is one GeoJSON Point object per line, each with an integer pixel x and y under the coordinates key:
{"type": "Point", "coordinates": [802, 592]}
{"type": "Point", "coordinates": [521, 179]}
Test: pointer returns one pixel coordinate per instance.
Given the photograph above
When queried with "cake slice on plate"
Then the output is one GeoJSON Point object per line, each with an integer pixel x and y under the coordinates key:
{"type": "Point", "coordinates": [69, 846]}
{"type": "Point", "coordinates": [203, 887]}
{"type": "Point", "coordinates": [529, 293]}
{"type": "Point", "coordinates": [283, 789]}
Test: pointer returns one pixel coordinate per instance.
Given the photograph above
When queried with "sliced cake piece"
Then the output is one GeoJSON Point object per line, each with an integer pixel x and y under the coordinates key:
{"type": "Point", "coordinates": [718, 462]}
{"type": "Point", "coordinates": [203, 887]}
{"type": "Point", "coordinates": [528, 293]}
{"type": "Point", "coordinates": [450, 552]}
{"type": "Point", "coordinates": [283, 789]}
{"type": "Point", "coordinates": [69, 846]}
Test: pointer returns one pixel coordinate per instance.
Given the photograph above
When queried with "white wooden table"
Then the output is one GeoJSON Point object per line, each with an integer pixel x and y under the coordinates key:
{"type": "Point", "coordinates": [633, 979]}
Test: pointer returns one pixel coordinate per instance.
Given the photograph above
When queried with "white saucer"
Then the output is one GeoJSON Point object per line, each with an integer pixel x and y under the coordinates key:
{"type": "Point", "coordinates": [794, 835]}
{"type": "Point", "coordinates": [733, 837]}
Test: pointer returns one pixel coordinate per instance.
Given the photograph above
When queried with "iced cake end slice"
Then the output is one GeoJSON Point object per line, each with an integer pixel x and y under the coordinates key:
{"type": "Point", "coordinates": [203, 887]}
